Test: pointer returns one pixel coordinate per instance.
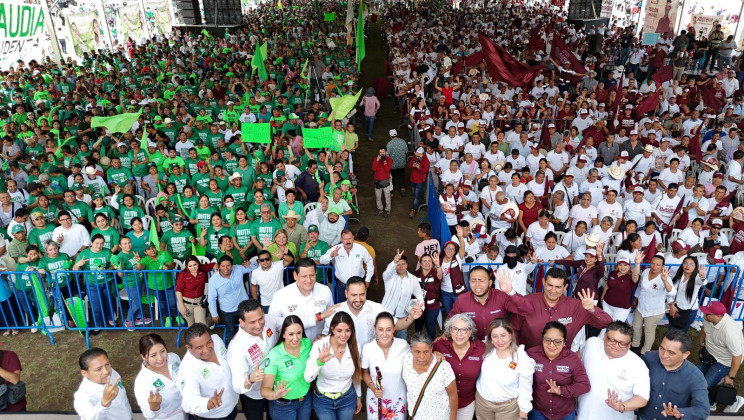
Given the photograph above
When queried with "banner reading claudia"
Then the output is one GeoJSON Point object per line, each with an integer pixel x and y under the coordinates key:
{"type": "Point", "coordinates": [22, 32]}
{"type": "Point", "coordinates": [660, 16]}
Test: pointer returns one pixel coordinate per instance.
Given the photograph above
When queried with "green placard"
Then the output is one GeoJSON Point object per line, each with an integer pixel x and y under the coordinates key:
{"type": "Point", "coordinates": [316, 138]}
{"type": "Point", "coordinates": [330, 17]}
{"type": "Point", "coordinates": [256, 132]}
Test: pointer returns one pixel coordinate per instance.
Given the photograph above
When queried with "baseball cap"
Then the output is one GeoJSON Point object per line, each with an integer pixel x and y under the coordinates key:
{"type": "Point", "coordinates": [633, 132]}
{"type": "Point", "coordinates": [623, 260]}
{"type": "Point", "coordinates": [200, 164]}
{"type": "Point", "coordinates": [591, 251]}
{"type": "Point", "coordinates": [76, 186]}
{"type": "Point", "coordinates": [639, 189]}
{"type": "Point", "coordinates": [18, 228]}
{"type": "Point", "coordinates": [335, 211]}
{"type": "Point", "coordinates": [279, 173]}
{"type": "Point", "coordinates": [716, 223]}
{"type": "Point", "coordinates": [177, 219]}
{"type": "Point", "coordinates": [35, 215]}
{"type": "Point", "coordinates": [393, 133]}
{"type": "Point", "coordinates": [583, 158]}
{"type": "Point", "coordinates": [717, 255]}
{"type": "Point", "coordinates": [714, 308]}
{"type": "Point", "coordinates": [624, 154]}
{"type": "Point", "coordinates": [679, 245]}
{"type": "Point", "coordinates": [312, 228]}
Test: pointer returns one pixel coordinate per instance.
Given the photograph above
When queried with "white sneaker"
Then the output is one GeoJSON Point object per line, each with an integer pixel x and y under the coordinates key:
{"type": "Point", "coordinates": [733, 408]}
{"type": "Point", "coordinates": [34, 330]}
{"type": "Point", "coordinates": [714, 407]}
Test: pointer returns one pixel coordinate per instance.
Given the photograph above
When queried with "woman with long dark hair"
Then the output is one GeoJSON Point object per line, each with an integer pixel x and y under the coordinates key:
{"type": "Point", "coordinates": [284, 383]}
{"type": "Point", "coordinates": [630, 247]}
{"type": "Point", "coordinates": [688, 280]}
{"type": "Point", "coordinates": [335, 362]}
{"type": "Point", "coordinates": [430, 274]}
{"type": "Point", "coordinates": [155, 386]}
{"type": "Point", "coordinates": [190, 284]}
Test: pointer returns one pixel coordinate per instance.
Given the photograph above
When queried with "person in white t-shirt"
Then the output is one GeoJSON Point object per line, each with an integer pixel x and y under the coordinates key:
{"type": "Point", "coordinates": [671, 175]}
{"type": "Point", "coordinates": [734, 178]}
{"type": "Point", "coordinates": [585, 212]}
{"type": "Point", "coordinates": [620, 379]}
{"type": "Point", "coordinates": [537, 230]}
{"type": "Point", "coordinates": [101, 394]}
{"type": "Point", "coordinates": [269, 276]}
{"type": "Point", "coordinates": [609, 207]}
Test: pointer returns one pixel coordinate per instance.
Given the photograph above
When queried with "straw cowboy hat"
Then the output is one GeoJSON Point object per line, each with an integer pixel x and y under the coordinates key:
{"type": "Point", "coordinates": [510, 209]}
{"type": "Point", "coordinates": [292, 215]}
{"type": "Point", "coordinates": [616, 172]}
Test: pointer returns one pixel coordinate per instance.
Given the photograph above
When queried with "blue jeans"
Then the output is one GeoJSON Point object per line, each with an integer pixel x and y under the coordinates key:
{"type": "Point", "coordinates": [536, 415]}
{"type": "Point", "coordinates": [167, 305]}
{"type": "Point", "coordinates": [723, 62]}
{"type": "Point", "coordinates": [291, 410]}
{"type": "Point", "coordinates": [339, 291]}
{"type": "Point", "coordinates": [713, 375]}
{"type": "Point", "coordinates": [429, 321]}
{"type": "Point", "coordinates": [402, 334]}
{"type": "Point", "coordinates": [624, 54]}
{"type": "Point", "coordinates": [230, 319]}
{"type": "Point", "coordinates": [416, 188]}
{"type": "Point", "coordinates": [101, 303]}
{"type": "Point", "coordinates": [340, 409]}
{"type": "Point", "coordinates": [370, 122]}
{"type": "Point", "coordinates": [448, 299]}
{"type": "Point", "coordinates": [27, 305]}
{"type": "Point", "coordinates": [134, 293]}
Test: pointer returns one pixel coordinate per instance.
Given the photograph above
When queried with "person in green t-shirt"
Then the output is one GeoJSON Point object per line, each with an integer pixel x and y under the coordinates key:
{"type": "Point", "coordinates": [201, 177]}
{"type": "Point", "coordinates": [160, 285]}
{"type": "Point", "coordinates": [264, 228]}
{"type": "Point", "coordinates": [128, 211]}
{"type": "Point", "coordinates": [240, 232]}
{"type": "Point", "coordinates": [202, 214]}
{"type": "Point", "coordinates": [284, 371]}
{"type": "Point", "coordinates": [132, 281]}
{"type": "Point", "coordinates": [94, 260]}
{"type": "Point", "coordinates": [210, 237]}
{"type": "Point", "coordinates": [41, 231]}
{"type": "Point", "coordinates": [178, 240]}
{"type": "Point", "coordinates": [314, 248]}
{"type": "Point", "coordinates": [52, 262]}
{"type": "Point", "coordinates": [117, 175]}
{"type": "Point", "coordinates": [179, 179]}
{"type": "Point", "coordinates": [228, 248]}
{"type": "Point", "coordinates": [110, 235]}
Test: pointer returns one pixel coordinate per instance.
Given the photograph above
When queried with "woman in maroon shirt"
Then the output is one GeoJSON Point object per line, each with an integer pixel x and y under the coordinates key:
{"type": "Point", "coordinates": [431, 281]}
{"type": "Point", "coordinates": [528, 211]}
{"type": "Point", "coordinates": [622, 283]}
{"type": "Point", "coordinates": [190, 285]}
{"type": "Point", "coordinates": [464, 353]}
{"type": "Point", "coordinates": [559, 378]}
{"type": "Point", "coordinates": [588, 271]}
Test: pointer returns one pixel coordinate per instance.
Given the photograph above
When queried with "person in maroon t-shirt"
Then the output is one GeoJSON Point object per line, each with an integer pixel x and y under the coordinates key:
{"type": "Point", "coordinates": [483, 303]}
{"type": "Point", "coordinates": [553, 305]}
{"type": "Point", "coordinates": [190, 284]}
{"type": "Point", "coordinates": [10, 371]}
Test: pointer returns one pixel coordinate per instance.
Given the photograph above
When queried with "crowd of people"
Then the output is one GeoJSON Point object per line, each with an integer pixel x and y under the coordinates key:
{"type": "Point", "coordinates": [584, 206]}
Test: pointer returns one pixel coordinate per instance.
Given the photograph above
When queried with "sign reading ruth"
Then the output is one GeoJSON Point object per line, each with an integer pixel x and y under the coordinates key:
{"type": "Point", "coordinates": [21, 30]}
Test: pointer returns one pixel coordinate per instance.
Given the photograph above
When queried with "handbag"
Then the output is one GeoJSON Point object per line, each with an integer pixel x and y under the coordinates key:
{"type": "Point", "coordinates": [382, 184]}
{"type": "Point", "coordinates": [423, 389]}
{"type": "Point", "coordinates": [203, 302]}
{"type": "Point", "coordinates": [705, 357]}
{"type": "Point", "coordinates": [723, 394]}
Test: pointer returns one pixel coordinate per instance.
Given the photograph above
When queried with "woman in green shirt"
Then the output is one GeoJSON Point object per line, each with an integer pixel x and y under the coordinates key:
{"type": "Point", "coordinates": [187, 202]}
{"type": "Point", "coordinates": [240, 233]}
{"type": "Point", "coordinates": [254, 210]}
{"type": "Point", "coordinates": [215, 194]}
{"type": "Point", "coordinates": [129, 212]}
{"type": "Point", "coordinates": [110, 235]}
{"type": "Point", "coordinates": [96, 259]}
{"type": "Point", "coordinates": [292, 204]}
{"type": "Point", "coordinates": [281, 246]}
{"type": "Point", "coordinates": [222, 180]}
{"type": "Point", "coordinates": [24, 283]}
{"type": "Point", "coordinates": [202, 214]}
{"type": "Point", "coordinates": [98, 205]}
{"type": "Point", "coordinates": [284, 384]}
{"type": "Point", "coordinates": [228, 248]}
{"type": "Point", "coordinates": [210, 237]}
{"type": "Point", "coordinates": [139, 236]}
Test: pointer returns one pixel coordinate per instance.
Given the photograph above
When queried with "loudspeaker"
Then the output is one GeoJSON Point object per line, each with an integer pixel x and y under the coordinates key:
{"type": "Point", "coordinates": [222, 12]}
{"type": "Point", "coordinates": [187, 12]}
{"type": "Point", "coordinates": [584, 9]}
{"type": "Point", "coordinates": [594, 43]}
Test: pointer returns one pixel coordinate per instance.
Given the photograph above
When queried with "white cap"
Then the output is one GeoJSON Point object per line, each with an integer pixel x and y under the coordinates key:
{"type": "Point", "coordinates": [393, 133]}
{"type": "Point", "coordinates": [633, 132]}
{"type": "Point", "coordinates": [420, 150]}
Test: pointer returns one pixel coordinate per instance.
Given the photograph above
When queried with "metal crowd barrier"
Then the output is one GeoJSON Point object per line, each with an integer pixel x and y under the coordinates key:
{"type": "Point", "coordinates": [102, 300]}
{"type": "Point", "coordinates": [729, 276]}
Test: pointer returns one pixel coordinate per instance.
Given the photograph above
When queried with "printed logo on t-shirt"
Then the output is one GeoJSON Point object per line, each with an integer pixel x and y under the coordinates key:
{"type": "Point", "coordinates": [538, 367]}
{"type": "Point", "coordinates": [205, 373]}
{"type": "Point", "coordinates": [269, 333]}
{"type": "Point", "coordinates": [565, 321]}
{"type": "Point", "coordinates": [175, 367]}
{"type": "Point", "coordinates": [562, 369]}
{"type": "Point", "coordinates": [289, 364]}
{"type": "Point", "coordinates": [255, 353]}
{"type": "Point", "coordinates": [158, 384]}
{"type": "Point", "coordinates": [182, 384]}
{"type": "Point", "coordinates": [291, 308]}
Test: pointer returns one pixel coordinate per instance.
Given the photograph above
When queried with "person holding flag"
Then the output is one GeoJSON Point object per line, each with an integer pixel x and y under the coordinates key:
{"type": "Point", "coordinates": [160, 285]}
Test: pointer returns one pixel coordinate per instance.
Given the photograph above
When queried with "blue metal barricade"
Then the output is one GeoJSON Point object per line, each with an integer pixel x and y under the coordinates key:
{"type": "Point", "coordinates": [26, 304]}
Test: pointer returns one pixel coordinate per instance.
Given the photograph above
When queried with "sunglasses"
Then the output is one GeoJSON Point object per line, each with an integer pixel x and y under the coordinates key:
{"type": "Point", "coordinates": [264, 259]}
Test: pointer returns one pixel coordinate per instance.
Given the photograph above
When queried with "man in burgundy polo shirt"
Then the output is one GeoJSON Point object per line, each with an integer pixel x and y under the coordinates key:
{"type": "Point", "coordinates": [483, 303]}
{"type": "Point", "coordinates": [553, 305]}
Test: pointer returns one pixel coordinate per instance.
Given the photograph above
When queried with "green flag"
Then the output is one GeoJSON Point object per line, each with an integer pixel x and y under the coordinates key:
{"type": "Point", "coordinates": [154, 234]}
{"type": "Point", "coordinates": [279, 5]}
{"type": "Point", "coordinates": [257, 63]}
{"type": "Point", "coordinates": [330, 17]}
{"type": "Point", "coordinates": [206, 34]}
{"type": "Point", "coordinates": [360, 48]}
{"type": "Point", "coordinates": [143, 142]}
{"type": "Point", "coordinates": [118, 123]}
{"type": "Point", "coordinates": [344, 104]}
{"type": "Point", "coordinates": [316, 138]}
{"type": "Point", "coordinates": [304, 67]}
{"type": "Point", "coordinates": [256, 132]}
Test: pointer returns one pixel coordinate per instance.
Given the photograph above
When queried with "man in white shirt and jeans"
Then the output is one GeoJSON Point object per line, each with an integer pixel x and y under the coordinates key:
{"type": "Point", "coordinates": [205, 377]}
{"type": "Point", "coordinates": [269, 277]}
{"type": "Point", "coordinates": [347, 259]}
{"type": "Point", "coordinates": [257, 334]}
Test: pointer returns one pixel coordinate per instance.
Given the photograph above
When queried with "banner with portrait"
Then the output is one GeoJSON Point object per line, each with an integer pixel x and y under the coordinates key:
{"type": "Point", "coordinates": [661, 16]}
{"type": "Point", "coordinates": [85, 33]}
{"type": "Point", "coordinates": [704, 24]}
{"type": "Point", "coordinates": [159, 17]}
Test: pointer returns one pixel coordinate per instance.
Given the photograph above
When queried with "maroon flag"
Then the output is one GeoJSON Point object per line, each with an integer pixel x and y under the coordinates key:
{"type": "Point", "coordinates": [649, 104]}
{"type": "Point", "coordinates": [545, 136]}
{"type": "Point", "coordinates": [666, 229]}
{"type": "Point", "coordinates": [560, 53]}
{"type": "Point", "coordinates": [695, 143]}
{"type": "Point", "coordinates": [457, 68]}
{"type": "Point", "coordinates": [504, 68]}
{"type": "Point", "coordinates": [710, 100]}
{"type": "Point", "coordinates": [474, 59]}
{"type": "Point", "coordinates": [663, 74]}
{"type": "Point", "coordinates": [536, 42]}
{"type": "Point", "coordinates": [650, 251]}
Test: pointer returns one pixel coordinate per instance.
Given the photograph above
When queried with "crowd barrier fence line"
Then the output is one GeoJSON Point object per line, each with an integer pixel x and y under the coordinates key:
{"type": "Point", "coordinates": [100, 300]}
